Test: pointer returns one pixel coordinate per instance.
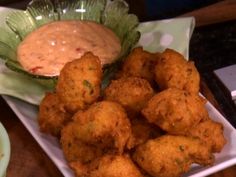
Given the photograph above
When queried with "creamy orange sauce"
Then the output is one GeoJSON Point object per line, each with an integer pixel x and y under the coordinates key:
{"type": "Point", "coordinates": [46, 50]}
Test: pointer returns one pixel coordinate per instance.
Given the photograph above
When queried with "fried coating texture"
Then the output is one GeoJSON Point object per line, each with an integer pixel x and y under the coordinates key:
{"type": "Point", "coordinates": [142, 131]}
{"type": "Point", "coordinates": [173, 71]}
{"type": "Point", "coordinates": [132, 93]}
{"type": "Point", "coordinates": [74, 149]}
{"type": "Point", "coordinates": [139, 63]}
{"type": "Point", "coordinates": [171, 156]}
{"type": "Point", "coordinates": [175, 111]}
{"type": "Point", "coordinates": [109, 166]}
{"type": "Point", "coordinates": [211, 133]}
{"type": "Point", "coordinates": [52, 115]}
{"type": "Point", "coordinates": [104, 124]}
{"type": "Point", "coordinates": [79, 82]}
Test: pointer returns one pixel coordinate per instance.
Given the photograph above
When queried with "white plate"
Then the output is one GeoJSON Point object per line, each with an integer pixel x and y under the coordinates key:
{"type": "Point", "coordinates": [27, 113]}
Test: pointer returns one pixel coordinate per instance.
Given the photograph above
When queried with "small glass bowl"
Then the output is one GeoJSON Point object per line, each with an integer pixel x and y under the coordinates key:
{"type": "Point", "coordinates": [113, 14]}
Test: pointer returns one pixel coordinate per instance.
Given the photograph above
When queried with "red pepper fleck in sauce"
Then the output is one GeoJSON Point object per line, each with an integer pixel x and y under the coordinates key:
{"type": "Point", "coordinates": [35, 69]}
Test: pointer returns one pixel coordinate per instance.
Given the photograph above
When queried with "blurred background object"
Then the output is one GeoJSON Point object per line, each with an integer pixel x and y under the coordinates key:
{"type": "Point", "coordinates": [161, 9]}
{"type": "Point", "coordinates": [148, 10]}
{"type": "Point", "coordinates": [172, 8]}
{"type": "Point", "coordinates": [19, 4]}
{"type": "Point", "coordinates": [145, 9]}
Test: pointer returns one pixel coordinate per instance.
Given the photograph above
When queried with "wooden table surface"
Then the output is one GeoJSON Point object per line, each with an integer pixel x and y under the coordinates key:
{"type": "Point", "coordinates": [29, 160]}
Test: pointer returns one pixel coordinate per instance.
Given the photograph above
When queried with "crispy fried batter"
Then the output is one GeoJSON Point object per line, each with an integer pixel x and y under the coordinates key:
{"type": "Point", "coordinates": [140, 63]}
{"type": "Point", "coordinates": [171, 156]}
{"type": "Point", "coordinates": [175, 131]}
{"type": "Point", "coordinates": [76, 150]}
{"type": "Point", "coordinates": [104, 124]}
{"type": "Point", "coordinates": [173, 71]}
{"type": "Point", "coordinates": [131, 92]}
{"type": "Point", "coordinates": [175, 111]}
{"type": "Point", "coordinates": [142, 131]}
{"type": "Point", "coordinates": [109, 166]}
{"type": "Point", "coordinates": [52, 116]}
{"type": "Point", "coordinates": [211, 133]}
{"type": "Point", "coordinates": [79, 82]}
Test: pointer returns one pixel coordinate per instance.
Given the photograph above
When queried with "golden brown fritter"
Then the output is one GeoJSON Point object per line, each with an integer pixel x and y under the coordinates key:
{"type": "Point", "coordinates": [109, 166]}
{"type": "Point", "coordinates": [142, 131]}
{"type": "Point", "coordinates": [52, 116]}
{"type": "Point", "coordinates": [171, 156]}
{"type": "Point", "coordinates": [104, 124]}
{"type": "Point", "coordinates": [76, 150]}
{"type": "Point", "coordinates": [175, 111]}
{"type": "Point", "coordinates": [132, 93]}
{"type": "Point", "coordinates": [211, 133]}
{"type": "Point", "coordinates": [173, 71]}
{"type": "Point", "coordinates": [139, 63]}
{"type": "Point", "coordinates": [79, 82]}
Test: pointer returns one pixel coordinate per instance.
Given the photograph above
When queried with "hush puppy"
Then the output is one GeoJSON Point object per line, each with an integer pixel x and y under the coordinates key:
{"type": "Point", "coordinates": [79, 82]}
{"type": "Point", "coordinates": [142, 131]}
{"type": "Point", "coordinates": [52, 115]}
{"type": "Point", "coordinates": [175, 111]}
{"type": "Point", "coordinates": [104, 124]}
{"type": "Point", "coordinates": [132, 93]}
{"type": "Point", "coordinates": [139, 63]}
{"type": "Point", "coordinates": [109, 166]}
{"type": "Point", "coordinates": [173, 71]}
{"type": "Point", "coordinates": [211, 133]}
{"type": "Point", "coordinates": [171, 156]}
{"type": "Point", "coordinates": [76, 150]}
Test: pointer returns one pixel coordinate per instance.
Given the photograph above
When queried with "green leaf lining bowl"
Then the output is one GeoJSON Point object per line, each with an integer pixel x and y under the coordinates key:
{"type": "Point", "coordinates": [112, 14]}
{"type": "Point", "coordinates": [4, 151]}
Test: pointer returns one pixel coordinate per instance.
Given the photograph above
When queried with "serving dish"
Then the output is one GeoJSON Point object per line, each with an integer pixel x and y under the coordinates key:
{"type": "Point", "coordinates": [27, 113]}
{"type": "Point", "coordinates": [19, 24]}
{"type": "Point", "coordinates": [155, 36]}
{"type": "Point", "coordinates": [4, 151]}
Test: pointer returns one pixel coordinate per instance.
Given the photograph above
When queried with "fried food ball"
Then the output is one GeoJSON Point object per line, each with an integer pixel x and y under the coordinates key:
{"type": "Point", "coordinates": [173, 71]}
{"type": "Point", "coordinates": [104, 124]}
{"type": "Point", "coordinates": [171, 156]}
{"type": "Point", "coordinates": [76, 150]}
{"type": "Point", "coordinates": [175, 111]}
{"type": "Point", "coordinates": [211, 133]}
{"type": "Point", "coordinates": [132, 93]}
{"type": "Point", "coordinates": [139, 63]}
{"type": "Point", "coordinates": [142, 131]}
{"type": "Point", "coordinates": [109, 166]}
{"type": "Point", "coordinates": [52, 115]}
{"type": "Point", "coordinates": [79, 82]}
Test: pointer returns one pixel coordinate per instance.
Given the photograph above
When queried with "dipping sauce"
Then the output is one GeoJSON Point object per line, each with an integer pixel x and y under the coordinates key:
{"type": "Point", "coordinates": [46, 50]}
